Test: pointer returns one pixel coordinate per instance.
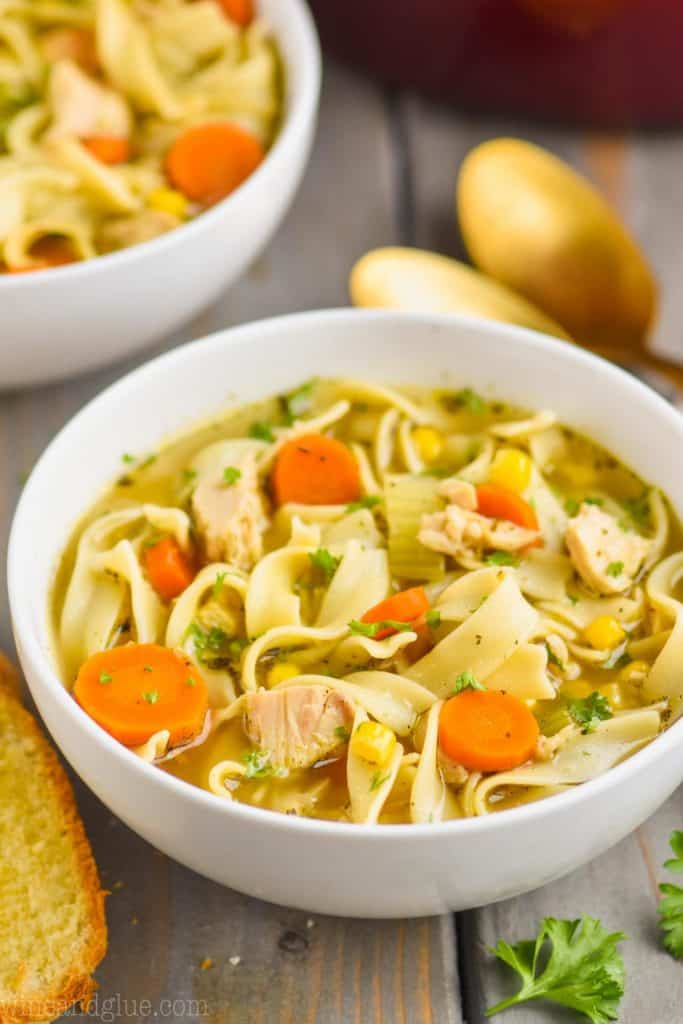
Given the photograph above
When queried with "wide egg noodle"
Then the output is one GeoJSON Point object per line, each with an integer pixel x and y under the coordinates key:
{"type": "Point", "coordinates": [369, 785]}
{"type": "Point", "coordinates": [665, 679]}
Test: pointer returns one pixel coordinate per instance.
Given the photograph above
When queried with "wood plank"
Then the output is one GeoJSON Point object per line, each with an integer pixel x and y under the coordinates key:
{"type": "Point", "coordinates": [165, 920]}
{"type": "Point", "coordinates": [620, 887]}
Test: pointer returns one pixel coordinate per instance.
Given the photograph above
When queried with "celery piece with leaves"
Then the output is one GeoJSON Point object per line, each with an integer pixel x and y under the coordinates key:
{"type": "Point", "coordinates": [574, 963]}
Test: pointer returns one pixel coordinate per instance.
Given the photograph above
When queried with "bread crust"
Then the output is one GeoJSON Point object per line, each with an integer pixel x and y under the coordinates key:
{"type": "Point", "coordinates": [78, 985]}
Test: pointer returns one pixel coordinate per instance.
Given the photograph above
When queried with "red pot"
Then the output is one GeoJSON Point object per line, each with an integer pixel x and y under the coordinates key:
{"type": "Point", "coordinates": [605, 62]}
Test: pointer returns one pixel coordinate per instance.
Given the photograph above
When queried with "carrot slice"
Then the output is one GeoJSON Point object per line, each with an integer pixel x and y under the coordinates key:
{"type": "Point", "coordinates": [210, 161]}
{"type": "Point", "coordinates": [49, 251]}
{"type": "Point", "coordinates": [108, 149]}
{"type": "Point", "coordinates": [139, 689]}
{"type": "Point", "coordinates": [487, 730]}
{"type": "Point", "coordinates": [315, 470]}
{"type": "Point", "coordinates": [167, 568]}
{"type": "Point", "coordinates": [239, 11]}
{"type": "Point", "coordinates": [406, 606]}
{"type": "Point", "coordinates": [501, 503]}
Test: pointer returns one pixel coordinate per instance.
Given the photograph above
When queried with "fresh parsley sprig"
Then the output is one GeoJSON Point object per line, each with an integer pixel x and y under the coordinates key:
{"type": "Point", "coordinates": [584, 969]}
{"type": "Point", "coordinates": [671, 904]}
{"type": "Point", "coordinates": [466, 681]}
{"type": "Point", "coordinates": [589, 711]}
{"type": "Point", "coordinates": [371, 629]}
{"type": "Point", "coordinates": [325, 561]}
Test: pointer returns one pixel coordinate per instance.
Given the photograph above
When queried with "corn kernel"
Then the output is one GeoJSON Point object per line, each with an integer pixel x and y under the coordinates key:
{"type": "Point", "coordinates": [576, 689]}
{"type": "Point", "coordinates": [429, 443]}
{"type": "Point", "coordinates": [612, 692]}
{"type": "Point", "coordinates": [634, 672]}
{"type": "Point", "coordinates": [604, 633]}
{"type": "Point", "coordinates": [511, 468]}
{"type": "Point", "coordinates": [373, 742]}
{"type": "Point", "coordinates": [281, 671]}
{"type": "Point", "coordinates": [168, 200]}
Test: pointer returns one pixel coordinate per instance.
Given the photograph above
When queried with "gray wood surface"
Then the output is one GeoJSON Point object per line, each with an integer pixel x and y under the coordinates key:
{"type": "Point", "coordinates": [383, 171]}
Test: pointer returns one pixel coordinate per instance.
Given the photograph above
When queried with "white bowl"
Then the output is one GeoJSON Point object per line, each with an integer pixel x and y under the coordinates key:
{"type": "Point", "coordinates": [326, 867]}
{"type": "Point", "coordinates": [61, 322]}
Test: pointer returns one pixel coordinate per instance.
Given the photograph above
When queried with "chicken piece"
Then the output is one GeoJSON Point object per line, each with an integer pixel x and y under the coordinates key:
{"type": "Point", "coordinates": [465, 535]}
{"type": "Point", "coordinates": [120, 232]}
{"type": "Point", "coordinates": [459, 492]}
{"type": "Point", "coordinates": [297, 725]}
{"type": "Point", "coordinates": [83, 108]}
{"type": "Point", "coordinates": [453, 773]}
{"type": "Point", "coordinates": [231, 517]}
{"type": "Point", "coordinates": [606, 558]}
{"type": "Point", "coordinates": [548, 746]}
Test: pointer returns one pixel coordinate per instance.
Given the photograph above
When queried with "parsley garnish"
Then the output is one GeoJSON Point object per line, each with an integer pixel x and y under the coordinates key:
{"type": "Point", "coordinates": [440, 472]}
{"type": "Point", "coordinates": [589, 711]}
{"type": "Point", "coordinates": [371, 629]}
{"type": "Point", "coordinates": [258, 764]}
{"type": "Point", "coordinates": [593, 501]}
{"type": "Point", "coordinates": [105, 678]}
{"type": "Point", "coordinates": [637, 512]}
{"type": "Point", "coordinates": [470, 400]}
{"type": "Point", "coordinates": [671, 904]}
{"type": "Point", "coordinates": [152, 696]}
{"type": "Point", "coordinates": [218, 583]}
{"type": "Point", "coordinates": [261, 431]}
{"type": "Point", "coordinates": [189, 475]}
{"type": "Point", "coordinates": [553, 658]}
{"type": "Point", "coordinates": [299, 401]}
{"type": "Point", "coordinates": [148, 461]}
{"type": "Point", "coordinates": [367, 501]}
{"type": "Point", "coordinates": [433, 618]}
{"type": "Point", "coordinates": [377, 780]}
{"type": "Point", "coordinates": [572, 507]}
{"type": "Point", "coordinates": [127, 458]}
{"type": "Point", "coordinates": [326, 562]}
{"type": "Point", "coordinates": [466, 681]}
{"type": "Point", "coordinates": [615, 569]}
{"type": "Point", "coordinates": [501, 558]}
{"type": "Point", "coordinates": [342, 734]}
{"type": "Point", "coordinates": [147, 668]}
{"type": "Point", "coordinates": [190, 681]}
{"type": "Point", "coordinates": [231, 475]}
{"type": "Point", "coordinates": [584, 970]}
{"type": "Point", "coordinates": [212, 645]}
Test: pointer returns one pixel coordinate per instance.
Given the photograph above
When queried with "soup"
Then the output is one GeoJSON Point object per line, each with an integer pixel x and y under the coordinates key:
{"type": "Point", "coordinates": [376, 606]}
{"type": "Point", "coordinates": [122, 119]}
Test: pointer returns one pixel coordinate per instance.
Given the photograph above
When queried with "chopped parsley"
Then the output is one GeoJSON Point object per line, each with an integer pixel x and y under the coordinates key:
{"type": "Point", "coordinates": [433, 618]}
{"type": "Point", "coordinates": [231, 474]}
{"type": "Point", "coordinates": [299, 401]}
{"type": "Point", "coordinates": [218, 583]}
{"type": "Point", "coordinates": [147, 668]}
{"type": "Point", "coordinates": [466, 681]}
{"type": "Point", "coordinates": [258, 764]}
{"type": "Point", "coordinates": [127, 458]}
{"type": "Point", "coordinates": [367, 501]}
{"type": "Point", "coordinates": [440, 472]}
{"type": "Point", "coordinates": [583, 969]}
{"type": "Point", "coordinates": [148, 461]}
{"type": "Point", "coordinates": [261, 431]}
{"type": "Point", "coordinates": [501, 558]}
{"type": "Point", "coordinates": [615, 569]}
{"type": "Point", "coordinates": [152, 696]}
{"type": "Point", "coordinates": [210, 646]}
{"type": "Point", "coordinates": [572, 506]}
{"type": "Point", "coordinates": [104, 678]}
{"type": "Point", "coordinates": [371, 629]}
{"type": "Point", "coordinates": [189, 475]}
{"type": "Point", "coordinates": [326, 562]}
{"type": "Point", "coordinates": [671, 904]}
{"type": "Point", "coordinates": [589, 711]}
{"type": "Point", "coordinates": [190, 681]}
{"type": "Point", "coordinates": [553, 658]}
{"type": "Point", "coordinates": [637, 513]}
{"type": "Point", "coordinates": [342, 734]}
{"type": "Point", "coordinates": [470, 400]}
{"type": "Point", "coordinates": [593, 501]}
{"type": "Point", "coordinates": [377, 780]}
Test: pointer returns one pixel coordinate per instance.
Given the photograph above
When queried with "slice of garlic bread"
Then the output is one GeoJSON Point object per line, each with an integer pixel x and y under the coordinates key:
{"type": "Point", "coordinates": [52, 926]}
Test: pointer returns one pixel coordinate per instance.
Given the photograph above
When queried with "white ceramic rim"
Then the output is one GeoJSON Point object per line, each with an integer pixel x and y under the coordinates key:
{"type": "Point", "coordinates": [129, 384]}
{"type": "Point", "coordinates": [302, 112]}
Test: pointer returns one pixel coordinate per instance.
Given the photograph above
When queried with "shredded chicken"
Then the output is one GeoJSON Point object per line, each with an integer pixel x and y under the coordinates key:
{"type": "Point", "coordinates": [548, 746]}
{"type": "Point", "coordinates": [231, 518]}
{"type": "Point", "coordinates": [121, 232]}
{"type": "Point", "coordinates": [297, 725]}
{"type": "Point", "coordinates": [459, 492]}
{"type": "Point", "coordinates": [81, 107]}
{"type": "Point", "coordinates": [606, 558]}
{"type": "Point", "coordinates": [453, 773]}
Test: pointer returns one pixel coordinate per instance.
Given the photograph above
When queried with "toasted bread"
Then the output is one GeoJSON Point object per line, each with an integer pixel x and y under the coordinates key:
{"type": "Point", "coordinates": [10, 681]}
{"type": "Point", "coordinates": [53, 932]}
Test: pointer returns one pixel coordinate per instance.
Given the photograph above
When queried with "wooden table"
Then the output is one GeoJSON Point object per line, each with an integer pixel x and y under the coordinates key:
{"type": "Point", "coordinates": [382, 172]}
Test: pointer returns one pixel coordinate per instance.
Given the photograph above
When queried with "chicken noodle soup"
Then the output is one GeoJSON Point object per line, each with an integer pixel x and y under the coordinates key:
{"type": "Point", "coordinates": [375, 605]}
{"type": "Point", "coordinates": [121, 119]}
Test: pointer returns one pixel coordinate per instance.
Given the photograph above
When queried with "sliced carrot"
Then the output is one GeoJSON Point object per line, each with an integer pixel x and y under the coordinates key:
{"type": "Point", "coordinates": [167, 568]}
{"type": "Point", "coordinates": [108, 149]}
{"type": "Point", "coordinates": [208, 162]}
{"type": "Point", "coordinates": [406, 606]}
{"type": "Point", "coordinates": [49, 251]}
{"type": "Point", "coordinates": [315, 470]}
{"type": "Point", "coordinates": [501, 503]}
{"type": "Point", "coordinates": [239, 11]}
{"type": "Point", "coordinates": [139, 689]}
{"type": "Point", "coordinates": [487, 730]}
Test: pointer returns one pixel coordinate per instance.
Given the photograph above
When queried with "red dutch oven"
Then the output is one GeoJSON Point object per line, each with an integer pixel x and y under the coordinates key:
{"type": "Point", "coordinates": [603, 62]}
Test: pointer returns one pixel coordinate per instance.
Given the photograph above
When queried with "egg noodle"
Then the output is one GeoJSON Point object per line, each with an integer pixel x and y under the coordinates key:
{"type": "Point", "coordinates": [383, 606]}
{"type": "Point", "coordinates": [93, 96]}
